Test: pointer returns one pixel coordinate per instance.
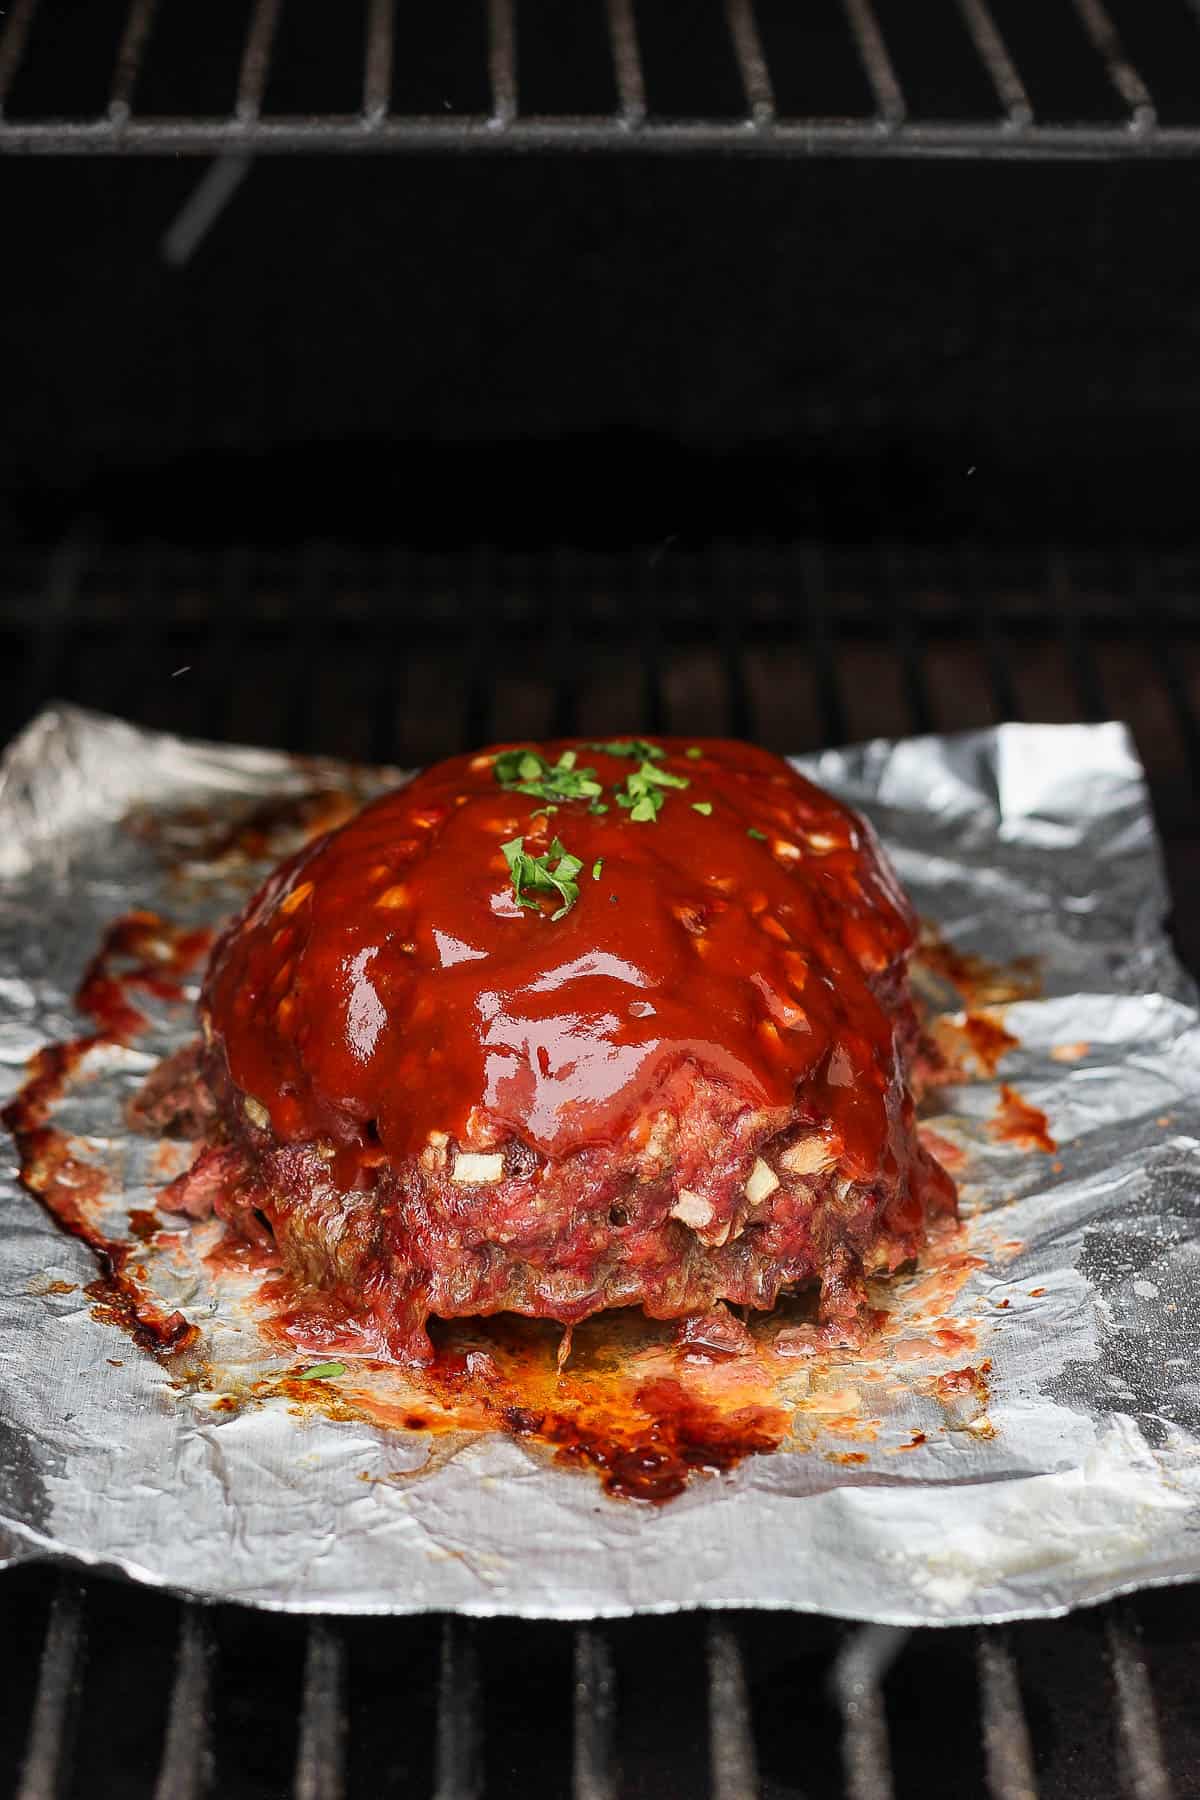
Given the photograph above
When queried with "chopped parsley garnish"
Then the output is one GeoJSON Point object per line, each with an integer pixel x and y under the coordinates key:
{"type": "Point", "coordinates": [542, 812]}
{"type": "Point", "coordinates": [533, 875]}
{"type": "Point", "coordinates": [596, 868]}
{"type": "Point", "coordinates": [643, 797]}
{"type": "Point", "coordinates": [702, 806]}
{"type": "Point", "coordinates": [598, 806]}
{"type": "Point", "coordinates": [638, 748]}
{"type": "Point", "coordinates": [322, 1372]}
{"type": "Point", "coordinates": [754, 832]}
{"type": "Point", "coordinates": [694, 751]}
{"type": "Point", "coordinates": [527, 772]}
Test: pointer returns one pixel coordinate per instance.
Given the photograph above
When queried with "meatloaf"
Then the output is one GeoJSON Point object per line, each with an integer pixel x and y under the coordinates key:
{"type": "Point", "coordinates": [567, 1026]}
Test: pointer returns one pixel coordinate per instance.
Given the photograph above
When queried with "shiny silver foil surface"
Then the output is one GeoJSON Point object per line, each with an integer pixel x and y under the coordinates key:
{"type": "Point", "coordinates": [1086, 1303]}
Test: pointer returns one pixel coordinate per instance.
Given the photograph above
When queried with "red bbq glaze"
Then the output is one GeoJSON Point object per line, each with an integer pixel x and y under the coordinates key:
{"type": "Point", "coordinates": [384, 983]}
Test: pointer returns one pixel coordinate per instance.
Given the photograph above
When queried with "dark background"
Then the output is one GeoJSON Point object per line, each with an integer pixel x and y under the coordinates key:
{"type": "Point", "coordinates": [530, 351]}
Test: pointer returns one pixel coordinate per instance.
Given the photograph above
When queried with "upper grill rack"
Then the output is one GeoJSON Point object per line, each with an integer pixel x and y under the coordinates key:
{"type": "Point", "coordinates": [971, 78]}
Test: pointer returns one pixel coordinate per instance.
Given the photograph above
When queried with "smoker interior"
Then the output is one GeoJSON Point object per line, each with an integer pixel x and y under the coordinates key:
{"type": "Point", "coordinates": [402, 656]}
{"type": "Point", "coordinates": [804, 374]}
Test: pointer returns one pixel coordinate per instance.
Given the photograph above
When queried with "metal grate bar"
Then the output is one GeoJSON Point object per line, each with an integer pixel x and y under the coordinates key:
{"type": "Point", "coordinates": [13, 42]}
{"type": "Point", "coordinates": [728, 632]}
{"type": "Point", "coordinates": [142, 640]}
{"type": "Point", "coordinates": [320, 1757]}
{"type": "Point", "coordinates": [1137, 1718]}
{"type": "Point", "coordinates": [877, 63]}
{"type": "Point", "coordinates": [994, 54]}
{"type": "Point", "coordinates": [751, 60]}
{"type": "Point", "coordinates": [383, 697]}
{"type": "Point", "coordinates": [627, 61]}
{"type": "Point", "coordinates": [1149, 607]}
{"type": "Point", "coordinates": [834, 719]}
{"type": "Point", "coordinates": [65, 571]}
{"type": "Point", "coordinates": [377, 71]}
{"type": "Point", "coordinates": [479, 690]}
{"type": "Point", "coordinates": [857, 1683]}
{"type": "Point", "coordinates": [1076, 646]}
{"type": "Point", "coordinates": [906, 638]}
{"type": "Point", "coordinates": [51, 1729]}
{"type": "Point", "coordinates": [299, 708]}
{"type": "Point", "coordinates": [458, 1767]}
{"type": "Point", "coordinates": [129, 59]}
{"type": "Point", "coordinates": [993, 648]}
{"type": "Point", "coordinates": [654, 709]}
{"type": "Point", "coordinates": [224, 646]}
{"type": "Point", "coordinates": [204, 206]}
{"type": "Point", "coordinates": [1005, 1731]}
{"type": "Point", "coordinates": [338, 134]}
{"type": "Point", "coordinates": [594, 1765]}
{"type": "Point", "coordinates": [560, 633]}
{"type": "Point", "coordinates": [256, 60]}
{"type": "Point", "coordinates": [732, 1758]}
{"type": "Point", "coordinates": [1106, 40]}
{"type": "Point", "coordinates": [502, 60]}
{"type": "Point", "coordinates": [186, 1768]}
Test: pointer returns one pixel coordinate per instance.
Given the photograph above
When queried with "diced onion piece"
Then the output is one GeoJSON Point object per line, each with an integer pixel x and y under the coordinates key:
{"type": "Point", "coordinates": [296, 898]}
{"type": "Point", "coordinates": [808, 1157]}
{"type": "Point", "coordinates": [762, 1182]}
{"type": "Point", "coordinates": [393, 897]}
{"type": "Point", "coordinates": [470, 1167]}
{"type": "Point", "coordinates": [692, 1208]}
{"type": "Point", "coordinates": [256, 1112]}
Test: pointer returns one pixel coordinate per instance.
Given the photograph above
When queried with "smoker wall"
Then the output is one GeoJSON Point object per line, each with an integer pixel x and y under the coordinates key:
{"type": "Point", "coordinates": [658, 346]}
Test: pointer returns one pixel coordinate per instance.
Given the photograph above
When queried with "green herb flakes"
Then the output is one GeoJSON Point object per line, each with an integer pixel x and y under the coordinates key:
{"type": "Point", "coordinates": [754, 832]}
{"type": "Point", "coordinates": [637, 748]}
{"type": "Point", "coordinates": [702, 806]}
{"type": "Point", "coordinates": [643, 797]}
{"type": "Point", "coordinates": [554, 872]}
{"type": "Point", "coordinates": [694, 752]}
{"type": "Point", "coordinates": [527, 772]}
{"type": "Point", "coordinates": [322, 1372]}
{"type": "Point", "coordinates": [596, 868]}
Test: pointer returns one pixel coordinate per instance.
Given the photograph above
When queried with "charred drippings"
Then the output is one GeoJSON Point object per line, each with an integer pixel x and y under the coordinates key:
{"type": "Point", "coordinates": [1017, 1121]}
{"type": "Point", "coordinates": [139, 952]}
{"type": "Point", "coordinates": [644, 1434]}
{"type": "Point", "coordinates": [977, 981]}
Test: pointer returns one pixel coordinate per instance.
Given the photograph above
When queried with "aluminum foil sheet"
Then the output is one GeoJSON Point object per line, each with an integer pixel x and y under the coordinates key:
{"type": "Point", "coordinates": [1069, 1474]}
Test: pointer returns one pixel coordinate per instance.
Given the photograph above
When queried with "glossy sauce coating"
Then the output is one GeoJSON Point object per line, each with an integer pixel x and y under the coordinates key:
{"type": "Point", "coordinates": [385, 983]}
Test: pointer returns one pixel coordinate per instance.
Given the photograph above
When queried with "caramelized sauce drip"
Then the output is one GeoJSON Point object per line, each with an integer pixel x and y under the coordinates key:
{"type": "Point", "coordinates": [156, 957]}
{"type": "Point", "coordinates": [1016, 1121]}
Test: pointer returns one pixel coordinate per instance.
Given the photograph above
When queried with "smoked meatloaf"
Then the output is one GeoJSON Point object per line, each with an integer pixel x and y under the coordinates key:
{"type": "Point", "coordinates": [567, 1026]}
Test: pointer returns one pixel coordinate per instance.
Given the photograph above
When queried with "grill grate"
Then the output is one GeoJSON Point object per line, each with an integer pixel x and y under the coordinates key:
{"type": "Point", "coordinates": [739, 1671]}
{"type": "Point", "coordinates": [1099, 101]}
{"type": "Point", "coordinates": [403, 656]}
